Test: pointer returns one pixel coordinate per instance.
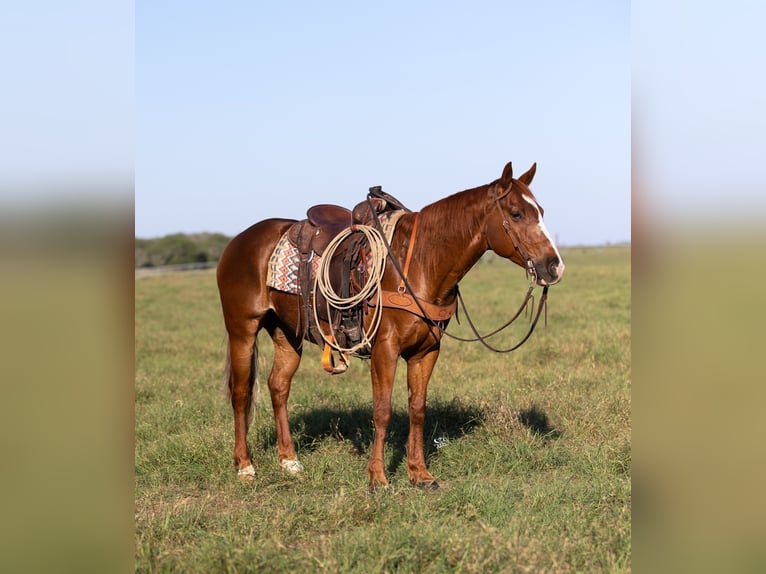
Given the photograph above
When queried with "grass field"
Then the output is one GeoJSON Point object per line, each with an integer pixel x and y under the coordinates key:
{"type": "Point", "coordinates": [532, 449]}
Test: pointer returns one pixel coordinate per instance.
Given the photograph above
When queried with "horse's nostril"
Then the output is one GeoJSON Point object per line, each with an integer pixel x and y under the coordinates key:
{"type": "Point", "coordinates": [553, 267]}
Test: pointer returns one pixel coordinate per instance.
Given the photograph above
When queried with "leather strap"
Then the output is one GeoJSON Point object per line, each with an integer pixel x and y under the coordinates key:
{"type": "Point", "coordinates": [407, 302]}
{"type": "Point", "coordinates": [402, 283]}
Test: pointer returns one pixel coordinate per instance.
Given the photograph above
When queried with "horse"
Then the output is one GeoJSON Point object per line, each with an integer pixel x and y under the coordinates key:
{"type": "Point", "coordinates": [444, 240]}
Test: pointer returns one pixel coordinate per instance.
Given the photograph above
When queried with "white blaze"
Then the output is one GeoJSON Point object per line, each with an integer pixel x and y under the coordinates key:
{"type": "Point", "coordinates": [544, 230]}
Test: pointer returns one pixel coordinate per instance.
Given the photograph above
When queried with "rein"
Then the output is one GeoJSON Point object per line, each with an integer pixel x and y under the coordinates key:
{"type": "Point", "coordinates": [543, 304]}
{"type": "Point", "coordinates": [404, 286]}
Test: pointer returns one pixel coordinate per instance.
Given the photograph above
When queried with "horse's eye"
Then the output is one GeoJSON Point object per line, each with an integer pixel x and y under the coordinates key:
{"type": "Point", "coordinates": [516, 215]}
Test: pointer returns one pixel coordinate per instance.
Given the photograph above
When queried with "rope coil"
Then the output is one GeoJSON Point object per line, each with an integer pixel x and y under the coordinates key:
{"type": "Point", "coordinates": [323, 285]}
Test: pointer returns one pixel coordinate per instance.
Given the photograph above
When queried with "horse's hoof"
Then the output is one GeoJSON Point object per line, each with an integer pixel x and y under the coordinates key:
{"type": "Point", "coordinates": [428, 485]}
{"type": "Point", "coordinates": [292, 466]}
{"type": "Point", "coordinates": [246, 474]}
{"type": "Point", "coordinates": [378, 488]}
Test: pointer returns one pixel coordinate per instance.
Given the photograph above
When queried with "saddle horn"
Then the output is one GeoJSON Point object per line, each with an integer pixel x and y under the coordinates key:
{"type": "Point", "coordinates": [376, 191]}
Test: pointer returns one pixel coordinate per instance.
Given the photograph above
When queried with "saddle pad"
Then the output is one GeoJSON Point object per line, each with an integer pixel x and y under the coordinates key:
{"type": "Point", "coordinates": [283, 264]}
{"type": "Point", "coordinates": [283, 267]}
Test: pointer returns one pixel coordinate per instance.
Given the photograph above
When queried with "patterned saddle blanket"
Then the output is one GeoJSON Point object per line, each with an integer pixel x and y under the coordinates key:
{"type": "Point", "coordinates": [283, 264]}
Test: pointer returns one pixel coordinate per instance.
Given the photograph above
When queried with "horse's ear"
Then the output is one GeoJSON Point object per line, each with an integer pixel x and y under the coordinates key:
{"type": "Point", "coordinates": [507, 176]}
{"type": "Point", "coordinates": [527, 177]}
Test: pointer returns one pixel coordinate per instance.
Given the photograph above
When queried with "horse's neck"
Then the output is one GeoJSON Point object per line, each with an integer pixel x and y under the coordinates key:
{"type": "Point", "coordinates": [451, 239]}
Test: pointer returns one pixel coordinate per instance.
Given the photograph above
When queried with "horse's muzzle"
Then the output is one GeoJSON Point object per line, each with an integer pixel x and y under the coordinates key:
{"type": "Point", "coordinates": [550, 273]}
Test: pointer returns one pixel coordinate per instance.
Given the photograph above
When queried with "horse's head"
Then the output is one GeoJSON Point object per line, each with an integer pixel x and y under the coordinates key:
{"type": "Point", "coordinates": [515, 227]}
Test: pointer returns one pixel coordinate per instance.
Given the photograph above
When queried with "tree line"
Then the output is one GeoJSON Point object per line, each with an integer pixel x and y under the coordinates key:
{"type": "Point", "coordinates": [179, 248]}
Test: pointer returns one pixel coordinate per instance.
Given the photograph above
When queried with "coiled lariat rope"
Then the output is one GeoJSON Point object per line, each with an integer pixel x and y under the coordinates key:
{"type": "Point", "coordinates": [322, 284]}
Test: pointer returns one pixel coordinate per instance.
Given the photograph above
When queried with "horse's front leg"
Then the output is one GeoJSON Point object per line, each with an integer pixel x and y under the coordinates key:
{"type": "Point", "coordinates": [419, 370]}
{"type": "Point", "coordinates": [383, 369]}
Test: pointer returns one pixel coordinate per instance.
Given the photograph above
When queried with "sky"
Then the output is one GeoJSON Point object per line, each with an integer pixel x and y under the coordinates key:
{"type": "Point", "coordinates": [698, 120]}
{"type": "Point", "coordinates": [248, 110]}
{"type": "Point", "coordinates": [209, 117]}
{"type": "Point", "coordinates": [67, 108]}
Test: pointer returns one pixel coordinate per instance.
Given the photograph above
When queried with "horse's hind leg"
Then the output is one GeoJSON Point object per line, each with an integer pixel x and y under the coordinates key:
{"type": "Point", "coordinates": [287, 357]}
{"type": "Point", "coordinates": [243, 356]}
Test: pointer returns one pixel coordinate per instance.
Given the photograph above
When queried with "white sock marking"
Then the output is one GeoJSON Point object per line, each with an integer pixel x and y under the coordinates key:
{"type": "Point", "coordinates": [249, 470]}
{"type": "Point", "coordinates": [292, 466]}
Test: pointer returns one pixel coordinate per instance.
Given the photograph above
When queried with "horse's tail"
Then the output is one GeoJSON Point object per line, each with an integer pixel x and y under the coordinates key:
{"type": "Point", "coordinates": [254, 382]}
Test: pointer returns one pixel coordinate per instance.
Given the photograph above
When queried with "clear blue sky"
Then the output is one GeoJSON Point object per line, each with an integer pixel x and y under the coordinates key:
{"type": "Point", "coordinates": [250, 110]}
{"type": "Point", "coordinates": [698, 105]}
{"type": "Point", "coordinates": [68, 100]}
{"type": "Point", "coordinates": [225, 113]}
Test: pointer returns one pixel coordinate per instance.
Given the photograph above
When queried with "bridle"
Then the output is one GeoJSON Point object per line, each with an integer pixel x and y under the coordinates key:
{"type": "Point", "coordinates": [530, 270]}
{"type": "Point", "coordinates": [529, 265]}
{"type": "Point", "coordinates": [531, 275]}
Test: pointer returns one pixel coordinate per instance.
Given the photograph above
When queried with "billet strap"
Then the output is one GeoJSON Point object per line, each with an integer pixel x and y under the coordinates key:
{"type": "Point", "coordinates": [403, 282]}
{"type": "Point", "coordinates": [328, 361]}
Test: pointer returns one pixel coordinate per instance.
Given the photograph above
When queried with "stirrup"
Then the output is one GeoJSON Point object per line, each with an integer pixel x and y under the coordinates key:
{"type": "Point", "coordinates": [328, 361]}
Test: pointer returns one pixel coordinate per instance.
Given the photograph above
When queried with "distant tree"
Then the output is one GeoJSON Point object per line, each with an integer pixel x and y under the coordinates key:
{"type": "Point", "coordinates": [175, 249]}
{"type": "Point", "coordinates": [179, 248]}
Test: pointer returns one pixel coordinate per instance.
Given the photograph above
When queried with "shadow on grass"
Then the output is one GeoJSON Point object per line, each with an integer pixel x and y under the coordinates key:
{"type": "Point", "coordinates": [535, 419]}
{"type": "Point", "coordinates": [444, 421]}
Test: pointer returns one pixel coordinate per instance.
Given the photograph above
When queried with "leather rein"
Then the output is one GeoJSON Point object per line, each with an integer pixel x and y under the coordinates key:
{"type": "Point", "coordinates": [404, 285]}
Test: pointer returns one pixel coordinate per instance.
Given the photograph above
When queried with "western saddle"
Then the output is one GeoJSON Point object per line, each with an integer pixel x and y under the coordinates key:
{"type": "Point", "coordinates": [348, 267]}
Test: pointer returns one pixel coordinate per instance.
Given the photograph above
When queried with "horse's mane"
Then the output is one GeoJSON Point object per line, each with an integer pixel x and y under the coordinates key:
{"type": "Point", "coordinates": [459, 213]}
{"type": "Point", "coordinates": [455, 220]}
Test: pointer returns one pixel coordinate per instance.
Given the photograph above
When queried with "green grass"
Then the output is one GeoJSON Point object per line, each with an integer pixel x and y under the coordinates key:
{"type": "Point", "coordinates": [534, 452]}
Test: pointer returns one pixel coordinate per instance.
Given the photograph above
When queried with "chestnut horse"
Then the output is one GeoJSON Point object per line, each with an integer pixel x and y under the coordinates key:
{"type": "Point", "coordinates": [452, 234]}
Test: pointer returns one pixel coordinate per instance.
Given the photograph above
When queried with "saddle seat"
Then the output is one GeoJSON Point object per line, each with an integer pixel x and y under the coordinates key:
{"type": "Point", "coordinates": [325, 221]}
{"type": "Point", "coordinates": [347, 269]}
